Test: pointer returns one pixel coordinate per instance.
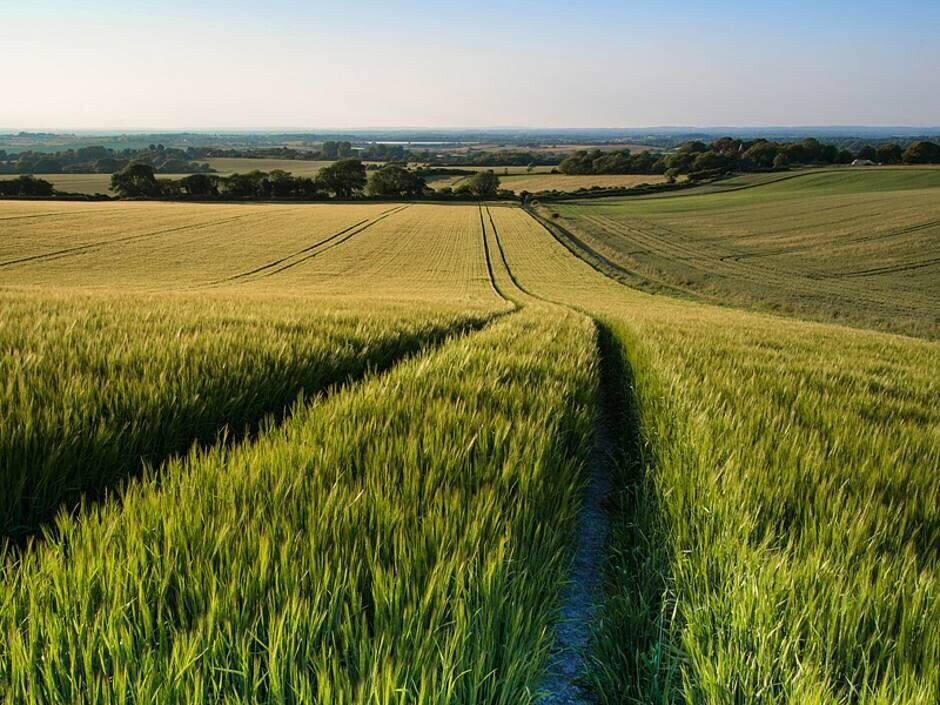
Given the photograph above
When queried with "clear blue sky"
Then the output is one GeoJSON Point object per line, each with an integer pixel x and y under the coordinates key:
{"type": "Point", "coordinates": [594, 63]}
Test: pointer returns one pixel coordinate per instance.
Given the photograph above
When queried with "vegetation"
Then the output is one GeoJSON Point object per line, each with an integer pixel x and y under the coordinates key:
{"type": "Point", "coordinates": [100, 160]}
{"type": "Point", "coordinates": [774, 541]}
{"type": "Point", "coordinates": [535, 183]}
{"type": "Point", "coordinates": [729, 154]}
{"type": "Point", "coordinates": [745, 568]}
{"type": "Point", "coordinates": [483, 184]}
{"type": "Point", "coordinates": [299, 569]}
{"type": "Point", "coordinates": [25, 186]}
{"type": "Point", "coordinates": [392, 406]}
{"type": "Point", "coordinates": [859, 247]}
{"type": "Point", "coordinates": [395, 180]}
{"type": "Point", "coordinates": [172, 372]}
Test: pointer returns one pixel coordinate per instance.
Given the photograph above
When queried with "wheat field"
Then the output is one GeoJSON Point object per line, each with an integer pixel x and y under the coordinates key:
{"type": "Point", "coordinates": [290, 453]}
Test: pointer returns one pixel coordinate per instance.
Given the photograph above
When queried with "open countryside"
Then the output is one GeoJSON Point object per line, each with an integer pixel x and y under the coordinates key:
{"type": "Point", "coordinates": [450, 354]}
{"type": "Point", "coordinates": [314, 294]}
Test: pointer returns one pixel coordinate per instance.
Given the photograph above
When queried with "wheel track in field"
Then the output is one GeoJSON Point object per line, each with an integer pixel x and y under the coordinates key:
{"type": "Point", "coordinates": [597, 261]}
{"type": "Point", "coordinates": [888, 269]}
{"type": "Point", "coordinates": [850, 240]}
{"type": "Point", "coordinates": [93, 246]}
{"type": "Point", "coordinates": [581, 598]}
{"type": "Point", "coordinates": [220, 431]}
{"type": "Point", "coordinates": [50, 214]}
{"type": "Point", "coordinates": [307, 253]}
{"type": "Point", "coordinates": [489, 261]}
{"type": "Point", "coordinates": [661, 241]}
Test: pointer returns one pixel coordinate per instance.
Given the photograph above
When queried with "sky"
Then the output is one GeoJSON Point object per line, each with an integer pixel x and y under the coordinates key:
{"type": "Point", "coordinates": [281, 64]}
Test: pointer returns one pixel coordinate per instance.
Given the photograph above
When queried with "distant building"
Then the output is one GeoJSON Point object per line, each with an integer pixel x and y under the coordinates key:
{"type": "Point", "coordinates": [863, 162]}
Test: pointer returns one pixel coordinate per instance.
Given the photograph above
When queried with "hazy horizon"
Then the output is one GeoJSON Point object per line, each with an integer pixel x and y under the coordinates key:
{"type": "Point", "coordinates": [291, 66]}
{"type": "Point", "coordinates": [456, 129]}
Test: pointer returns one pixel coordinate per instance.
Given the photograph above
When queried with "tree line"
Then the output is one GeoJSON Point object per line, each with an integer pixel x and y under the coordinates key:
{"type": "Point", "coordinates": [100, 160]}
{"type": "Point", "coordinates": [727, 154]}
{"type": "Point", "coordinates": [344, 178]}
{"type": "Point", "coordinates": [25, 186]}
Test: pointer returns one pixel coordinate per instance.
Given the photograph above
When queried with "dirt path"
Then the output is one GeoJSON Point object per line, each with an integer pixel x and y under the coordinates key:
{"type": "Point", "coordinates": [581, 598]}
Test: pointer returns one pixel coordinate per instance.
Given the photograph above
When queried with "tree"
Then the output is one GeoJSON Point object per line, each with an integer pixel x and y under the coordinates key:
{"type": "Point", "coordinates": [845, 157]}
{"type": "Point", "coordinates": [726, 145]}
{"type": "Point", "coordinates": [577, 163]}
{"type": "Point", "coordinates": [343, 177]}
{"type": "Point", "coordinates": [781, 161]}
{"type": "Point", "coordinates": [25, 186]}
{"type": "Point", "coordinates": [813, 150]}
{"type": "Point", "coordinates": [483, 183]}
{"type": "Point", "coordinates": [711, 161]}
{"type": "Point", "coordinates": [199, 185]}
{"type": "Point", "coordinates": [136, 179]}
{"type": "Point", "coordinates": [395, 180]}
{"type": "Point", "coordinates": [922, 152]}
{"type": "Point", "coordinates": [254, 184]}
{"type": "Point", "coordinates": [890, 153]}
{"type": "Point", "coordinates": [868, 152]}
{"type": "Point", "coordinates": [692, 147]}
{"type": "Point", "coordinates": [108, 165]}
{"type": "Point", "coordinates": [762, 152]}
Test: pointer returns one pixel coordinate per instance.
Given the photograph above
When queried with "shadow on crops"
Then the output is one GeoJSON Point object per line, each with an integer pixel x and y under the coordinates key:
{"type": "Point", "coordinates": [105, 466]}
{"type": "Point", "coordinates": [635, 652]}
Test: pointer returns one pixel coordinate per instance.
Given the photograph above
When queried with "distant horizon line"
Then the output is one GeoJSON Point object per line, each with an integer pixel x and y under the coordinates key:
{"type": "Point", "coordinates": [453, 129]}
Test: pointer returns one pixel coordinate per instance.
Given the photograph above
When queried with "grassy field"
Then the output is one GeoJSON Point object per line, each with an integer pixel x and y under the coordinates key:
{"type": "Point", "coordinates": [403, 532]}
{"type": "Point", "coordinates": [854, 246]}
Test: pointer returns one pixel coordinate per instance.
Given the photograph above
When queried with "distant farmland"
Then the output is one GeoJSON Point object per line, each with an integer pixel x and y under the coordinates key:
{"type": "Point", "coordinates": [101, 183]}
{"type": "Point", "coordinates": [297, 167]}
{"type": "Point", "coordinates": [859, 246]}
{"type": "Point", "coordinates": [564, 182]}
{"type": "Point", "coordinates": [514, 178]}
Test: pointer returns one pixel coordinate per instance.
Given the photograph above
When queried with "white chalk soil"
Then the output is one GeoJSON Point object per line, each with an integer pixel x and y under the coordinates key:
{"type": "Point", "coordinates": [581, 599]}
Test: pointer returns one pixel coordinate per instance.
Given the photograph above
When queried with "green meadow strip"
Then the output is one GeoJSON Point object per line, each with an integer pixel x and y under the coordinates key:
{"type": "Point", "coordinates": [92, 387]}
{"type": "Point", "coordinates": [401, 541]}
{"type": "Point", "coordinates": [776, 536]}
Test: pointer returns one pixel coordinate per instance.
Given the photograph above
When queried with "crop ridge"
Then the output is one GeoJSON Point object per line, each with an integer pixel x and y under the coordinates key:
{"type": "Point", "coordinates": [91, 246]}
{"type": "Point", "coordinates": [308, 248]}
{"type": "Point", "coordinates": [489, 260]}
{"type": "Point", "coordinates": [384, 355]}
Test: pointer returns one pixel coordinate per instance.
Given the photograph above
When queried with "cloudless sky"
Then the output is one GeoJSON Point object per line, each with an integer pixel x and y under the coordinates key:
{"type": "Point", "coordinates": [217, 64]}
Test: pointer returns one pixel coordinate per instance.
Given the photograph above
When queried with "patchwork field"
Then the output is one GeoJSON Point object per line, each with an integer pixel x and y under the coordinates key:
{"type": "Point", "coordinates": [349, 453]}
{"type": "Point", "coordinates": [534, 183]}
{"type": "Point", "coordinates": [297, 167]}
{"type": "Point", "coordinates": [860, 247]}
